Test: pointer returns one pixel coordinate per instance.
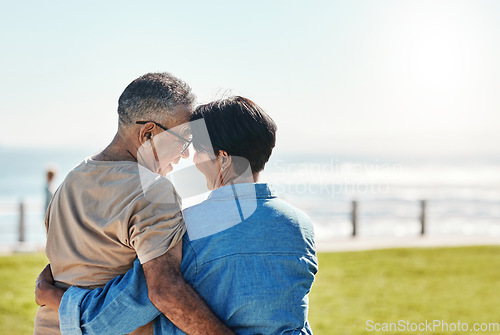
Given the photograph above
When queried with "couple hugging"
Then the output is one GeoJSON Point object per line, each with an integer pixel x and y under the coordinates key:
{"type": "Point", "coordinates": [123, 256]}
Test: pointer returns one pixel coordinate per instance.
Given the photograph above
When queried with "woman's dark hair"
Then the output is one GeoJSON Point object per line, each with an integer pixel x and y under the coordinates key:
{"type": "Point", "coordinates": [237, 126]}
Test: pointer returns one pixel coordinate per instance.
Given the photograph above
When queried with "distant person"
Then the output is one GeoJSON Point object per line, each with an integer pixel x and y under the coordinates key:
{"type": "Point", "coordinates": [49, 186]}
{"type": "Point", "coordinates": [102, 219]}
{"type": "Point", "coordinates": [250, 255]}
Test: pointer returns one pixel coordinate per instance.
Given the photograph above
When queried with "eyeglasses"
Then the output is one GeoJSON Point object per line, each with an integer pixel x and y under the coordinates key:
{"type": "Point", "coordinates": [187, 141]}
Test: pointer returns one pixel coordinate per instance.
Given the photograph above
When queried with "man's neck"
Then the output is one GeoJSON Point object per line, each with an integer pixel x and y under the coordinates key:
{"type": "Point", "coordinates": [117, 150]}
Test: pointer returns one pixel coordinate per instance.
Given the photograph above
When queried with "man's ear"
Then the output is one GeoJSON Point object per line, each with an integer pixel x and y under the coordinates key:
{"type": "Point", "coordinates": [146, 132]}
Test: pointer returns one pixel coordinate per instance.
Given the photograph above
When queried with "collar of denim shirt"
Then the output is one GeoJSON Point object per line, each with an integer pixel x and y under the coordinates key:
{"type": "Point", "coordinates": [243, 190]}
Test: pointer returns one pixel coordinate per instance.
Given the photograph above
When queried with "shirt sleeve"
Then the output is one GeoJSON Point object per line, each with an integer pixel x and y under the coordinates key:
{"type": "Point", "coordinates": [157, 223]}
{"type": "Point", "coordinates": [119, 308]}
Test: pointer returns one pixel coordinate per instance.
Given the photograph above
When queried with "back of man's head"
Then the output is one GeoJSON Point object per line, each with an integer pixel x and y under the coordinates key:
{"type": "Point", "coordinates": [153, 96]}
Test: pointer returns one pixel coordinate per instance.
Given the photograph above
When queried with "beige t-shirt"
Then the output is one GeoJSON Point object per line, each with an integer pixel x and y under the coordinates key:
{"type": "Point", "coordinates": [103, 216]}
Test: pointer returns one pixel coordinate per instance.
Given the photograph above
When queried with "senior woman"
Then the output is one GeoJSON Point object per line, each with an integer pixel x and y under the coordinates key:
{"type": "Point", "coordinates": [250, 255]}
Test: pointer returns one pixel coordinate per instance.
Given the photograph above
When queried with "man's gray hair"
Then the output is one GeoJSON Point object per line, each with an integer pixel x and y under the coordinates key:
{"type": "Point", "coordinates": [153, 96]}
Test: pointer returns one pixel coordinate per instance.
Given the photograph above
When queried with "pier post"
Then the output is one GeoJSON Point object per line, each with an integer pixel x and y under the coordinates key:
{"type": "Point", "coordinates": [21, 221]}
{"type": "Point", "coordinates": [354, 217]}
{"type": "Point", "coordinates": [423, 205]}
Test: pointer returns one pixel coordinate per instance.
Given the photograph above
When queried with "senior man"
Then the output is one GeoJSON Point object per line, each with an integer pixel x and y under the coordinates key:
{"type": "Point", "coordinates": [103, 217]}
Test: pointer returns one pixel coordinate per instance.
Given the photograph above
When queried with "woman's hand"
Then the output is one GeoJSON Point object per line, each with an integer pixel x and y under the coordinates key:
{"type": "Point", "coordinates": [46, 294]}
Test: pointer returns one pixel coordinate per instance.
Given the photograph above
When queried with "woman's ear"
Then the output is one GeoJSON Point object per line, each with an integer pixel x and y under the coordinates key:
{"type": "Point", "coordinates": [225, 160]}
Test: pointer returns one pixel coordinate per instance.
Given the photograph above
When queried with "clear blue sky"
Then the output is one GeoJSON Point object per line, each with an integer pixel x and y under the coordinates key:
{"type": "Point", "coordinates": [377, 77]}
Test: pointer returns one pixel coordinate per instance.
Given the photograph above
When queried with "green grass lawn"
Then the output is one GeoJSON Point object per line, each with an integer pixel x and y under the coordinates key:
{"type": "Point", "coordinates": [449, 284]}
{"type": "Point", "coordinates": [17, 282]}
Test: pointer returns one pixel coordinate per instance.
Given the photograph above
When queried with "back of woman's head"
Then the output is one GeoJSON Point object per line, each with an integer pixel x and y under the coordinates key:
{"type": "Point", "coordinates": [237, 126]}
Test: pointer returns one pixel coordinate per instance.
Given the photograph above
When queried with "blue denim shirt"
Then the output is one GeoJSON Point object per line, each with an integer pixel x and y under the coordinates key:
{"type": "Point", "coordinates": [249, 255]}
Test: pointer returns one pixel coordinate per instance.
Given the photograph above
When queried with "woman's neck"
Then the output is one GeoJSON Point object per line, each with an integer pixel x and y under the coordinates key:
{"type": "Point", "coordinates": [242, 179]}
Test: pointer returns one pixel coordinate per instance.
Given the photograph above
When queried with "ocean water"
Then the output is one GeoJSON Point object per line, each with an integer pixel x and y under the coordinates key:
{"type": "Point", "coordinates": [22, 179]}
{"type": "Point", "coordinates": [463, 195]}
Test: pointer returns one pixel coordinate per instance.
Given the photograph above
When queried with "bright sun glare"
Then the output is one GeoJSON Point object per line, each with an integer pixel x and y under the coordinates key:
{"type": "Point", "coordinates": [437, 46]}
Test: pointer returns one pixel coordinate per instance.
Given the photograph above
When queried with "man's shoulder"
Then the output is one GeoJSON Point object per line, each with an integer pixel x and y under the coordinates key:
{"type": "Point", "coordinates": [128, 177]}
{"type": "Point", "coordinates": [89, 169]}
{"type": "Point", "coordinates": [158, 189]}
